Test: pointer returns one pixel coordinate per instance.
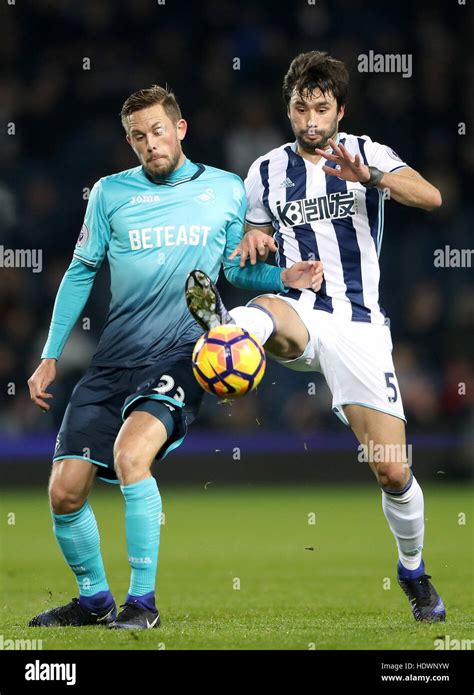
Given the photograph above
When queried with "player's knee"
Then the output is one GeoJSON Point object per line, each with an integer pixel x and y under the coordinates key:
{"type": "Point", "coordinates": [283, 343]}
{"type": "Point", "coordinates": [267, 302]}
{"type": "Point", "coordinates": [64, 500]}
{"type": "Point", "coordinates": [393, 476]}
{"type": "Point", "coordinates": [126, 463]}
{"type": "Point", "coordinates": [69, 484]}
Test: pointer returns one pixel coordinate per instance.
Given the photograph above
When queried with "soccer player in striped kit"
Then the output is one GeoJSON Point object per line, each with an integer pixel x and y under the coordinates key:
{"type": "Point", "coordinates": [322, 197]}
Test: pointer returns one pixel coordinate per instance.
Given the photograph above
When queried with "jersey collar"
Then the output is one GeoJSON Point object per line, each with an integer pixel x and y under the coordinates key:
{"type": "Point", "coordinates": [186, 172]}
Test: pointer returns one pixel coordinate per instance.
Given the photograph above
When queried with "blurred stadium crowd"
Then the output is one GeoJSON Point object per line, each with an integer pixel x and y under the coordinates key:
{"type": "Point", "coordinates": [68, 134]}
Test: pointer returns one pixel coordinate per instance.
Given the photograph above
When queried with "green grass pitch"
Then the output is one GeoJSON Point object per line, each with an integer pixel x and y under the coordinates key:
{"type": "Point", "coordinates": [243, 568]}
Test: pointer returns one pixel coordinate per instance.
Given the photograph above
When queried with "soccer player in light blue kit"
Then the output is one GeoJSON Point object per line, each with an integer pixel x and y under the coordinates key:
{"type": "Point", "coordinates": [155, 223]}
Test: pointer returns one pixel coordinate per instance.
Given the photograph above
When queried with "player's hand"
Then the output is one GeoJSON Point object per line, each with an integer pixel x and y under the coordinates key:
{"type": "Point", "coordinates": [39, 382]}
{"type": "Point", "coordinates": [348, 167]}
{"type": "Point", "coordinates": [303, 275]}
{"type": "Point", "coordinates": [254, 244]}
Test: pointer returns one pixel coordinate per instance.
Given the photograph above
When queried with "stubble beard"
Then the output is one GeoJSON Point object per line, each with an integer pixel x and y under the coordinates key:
{"type": "Point", "coordinates": [166, 166]}
{"type": "Point", "coordinates": [309, 146]}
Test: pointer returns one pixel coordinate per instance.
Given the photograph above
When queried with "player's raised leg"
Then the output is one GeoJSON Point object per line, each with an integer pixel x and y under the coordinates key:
{"type": "Point", "coordinates": [142, 435]}
{"type": "Point", "coordinates": [270, 319]}
{"type": "Point", "coordinates": [383, 438]}
{"type": "Point", "coordinates": [76, 531]}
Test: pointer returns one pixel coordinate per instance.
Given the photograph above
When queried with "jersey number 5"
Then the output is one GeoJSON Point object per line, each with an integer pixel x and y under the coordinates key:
{"type": "Point", "coordinates": [391, 398]}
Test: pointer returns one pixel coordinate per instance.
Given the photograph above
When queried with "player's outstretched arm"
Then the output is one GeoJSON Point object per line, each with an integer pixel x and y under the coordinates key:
{"type": "Point", "coordinates": [70, 300]}
{"type": "Point", "coordinates": [406, 185]}
{"type": "Point", "coordinates": [262, 276]}
{"type": "Point", "coordinates": [255, 244]}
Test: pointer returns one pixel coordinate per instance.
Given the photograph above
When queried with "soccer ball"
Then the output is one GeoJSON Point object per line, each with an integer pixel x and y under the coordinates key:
{"type": "Point", "coordinates": [228, 362]}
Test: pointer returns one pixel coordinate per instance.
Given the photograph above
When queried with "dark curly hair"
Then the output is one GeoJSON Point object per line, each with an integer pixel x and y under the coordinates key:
{"type": "Point", "coordinates": [316, 70]}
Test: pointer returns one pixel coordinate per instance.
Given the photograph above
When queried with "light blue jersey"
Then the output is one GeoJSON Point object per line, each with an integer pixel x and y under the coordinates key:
{"type": "Point", "coordinates": [154, 232]}
{"type": "Point", "coordinates": [153, 235]}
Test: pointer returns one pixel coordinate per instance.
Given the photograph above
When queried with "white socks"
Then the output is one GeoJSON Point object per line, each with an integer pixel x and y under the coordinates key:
{"type": "Point", "coordinates": [405, 516]}
{"type": "Point", "coordinates": [258, 322]}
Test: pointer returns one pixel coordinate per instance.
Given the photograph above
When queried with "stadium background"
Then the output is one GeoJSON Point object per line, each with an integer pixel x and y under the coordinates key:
{"type": "Point", "coordinates": [68, 135]}
{"type": "Point", "coordinates": [302, 584]}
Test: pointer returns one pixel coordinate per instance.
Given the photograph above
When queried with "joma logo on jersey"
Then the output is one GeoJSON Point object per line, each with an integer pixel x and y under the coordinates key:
{"type": "Point", "coordinates": [144, 199]}
{"type": "Point", "coordinates": [326, 207]}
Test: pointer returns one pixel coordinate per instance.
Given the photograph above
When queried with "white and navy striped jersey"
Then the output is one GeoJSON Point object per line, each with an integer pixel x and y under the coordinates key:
{"type": "Point", "coordinates": [317, 216]}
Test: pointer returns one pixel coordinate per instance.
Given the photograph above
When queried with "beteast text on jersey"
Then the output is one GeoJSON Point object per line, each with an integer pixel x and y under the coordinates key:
{"type": "Point", "coordinates": [170, 235]}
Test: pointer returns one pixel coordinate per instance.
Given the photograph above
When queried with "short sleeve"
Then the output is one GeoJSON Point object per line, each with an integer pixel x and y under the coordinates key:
{"type": "Point", "coordinates": [94, 237]}
{"type": "Point", "coordinates": [383, 157]}
{"type": "Point", "coordinates": [256, 188]}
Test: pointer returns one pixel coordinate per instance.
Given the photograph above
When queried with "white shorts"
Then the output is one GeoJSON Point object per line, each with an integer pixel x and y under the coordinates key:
{"type": "Point", "coordinates": [355, 358]}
